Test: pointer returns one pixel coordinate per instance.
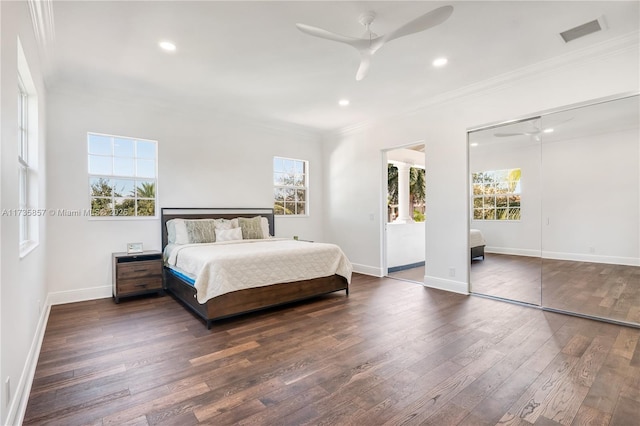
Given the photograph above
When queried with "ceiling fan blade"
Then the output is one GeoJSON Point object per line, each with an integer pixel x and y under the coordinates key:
{"type": "Point", "coordinates": [328, 35]}
{"type": "Point", "coordinates": [421, 23]}
{"type": "Point", "coordinates": [504, 135]}
{"type": "Point", "coordinates": [365, 62]}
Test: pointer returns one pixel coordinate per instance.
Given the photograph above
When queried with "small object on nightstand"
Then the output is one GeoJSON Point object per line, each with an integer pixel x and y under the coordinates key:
{"type": "Point", "coordinates": [136, 273]}
{"type": "Point", "coordinates": [134, 248]}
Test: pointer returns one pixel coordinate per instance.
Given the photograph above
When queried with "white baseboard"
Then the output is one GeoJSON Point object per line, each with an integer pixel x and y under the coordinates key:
{"type": "Point", "coordinates": [80, 295]}
{"type": "Point", "coordinates": [594, 258]}
{"type": "Point", "coordinates": [512, 251]}
{"type": "Point", "coordinates": [447, 285]}
{"type": "Point", "coordinates": [18, 404]}
{"type": "Point", "coordinates": [367, 270]}
{"type": "Point", "coordinates": [577, 257]}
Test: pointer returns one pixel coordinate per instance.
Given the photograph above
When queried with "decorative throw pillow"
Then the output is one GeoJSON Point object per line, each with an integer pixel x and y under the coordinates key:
{"type": "Point", "coordinates": [225, 223]}
{"type": "Point", "coordinates": [177, 231]}
{"type": "Point", "coordinates": [251, 228]}
{"type": "Point", "coordinates": [228, 234]}
{"type": "Point", "coordinates": [265, 228]}
{"type": "Point", "coordinates": [201, 231]}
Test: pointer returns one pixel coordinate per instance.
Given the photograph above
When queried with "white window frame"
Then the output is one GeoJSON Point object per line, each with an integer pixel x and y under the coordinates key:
{"type": "Point", "coordinates": [23, 162]}
{"type": "Point", "coordinates": [485, 195]}
{"type": "Point", "coordinates": [112, 177]}
{"type": "Point", "coordinates": [279, 187]}
{"type": "Point", "coordinates": [28, 215]}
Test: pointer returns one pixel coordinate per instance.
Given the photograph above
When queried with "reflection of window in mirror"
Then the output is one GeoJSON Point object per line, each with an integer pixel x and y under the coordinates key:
{"type": "Point", "coordinates": [496, 194]}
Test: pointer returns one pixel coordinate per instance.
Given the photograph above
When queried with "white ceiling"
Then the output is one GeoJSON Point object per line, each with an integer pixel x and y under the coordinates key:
{"type": "Point", "coordinates": [249, 59]}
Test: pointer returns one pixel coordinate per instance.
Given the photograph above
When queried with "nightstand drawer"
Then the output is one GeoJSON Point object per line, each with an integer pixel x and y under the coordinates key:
{"type": "Point", "coordinates": [136, 274]}
{"type": "Point", "coordinates": [143, 269]}
{"type": "Point", "coordinates": [139, 284]}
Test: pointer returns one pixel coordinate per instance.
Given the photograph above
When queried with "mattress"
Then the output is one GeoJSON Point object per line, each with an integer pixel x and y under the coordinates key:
{"type": "Point", "coordinates": [476, 239]}
{"type": "Point", "coordinates": [223, 267]}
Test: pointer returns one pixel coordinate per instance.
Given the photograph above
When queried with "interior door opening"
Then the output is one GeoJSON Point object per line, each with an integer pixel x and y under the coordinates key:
{"type": "Point", "coordinates": [404, 203]}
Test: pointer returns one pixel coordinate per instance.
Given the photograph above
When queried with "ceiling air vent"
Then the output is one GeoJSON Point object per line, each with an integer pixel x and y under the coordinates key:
{"type": "Point", "coordinates": [583, 30]}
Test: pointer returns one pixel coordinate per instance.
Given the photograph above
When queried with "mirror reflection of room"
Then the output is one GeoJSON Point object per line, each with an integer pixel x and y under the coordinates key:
{"type": "Point", "coordinates": [590, 210]}
{"type": "Point", "coordinates": [505, 219]}
{"type": "Point", "coordinates": [555, 210]}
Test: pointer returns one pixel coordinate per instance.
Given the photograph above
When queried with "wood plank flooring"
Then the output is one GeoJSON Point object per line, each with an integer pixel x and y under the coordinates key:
{"type": "Point", "coordinates": [507, 276]}
{"type": "Point", "coordinates": [596, 289]}
{"type": "Point", "coordinates": [390, 353]}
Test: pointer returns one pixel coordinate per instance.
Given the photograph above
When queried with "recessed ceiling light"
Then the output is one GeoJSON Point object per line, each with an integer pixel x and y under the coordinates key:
{"type": "Point", "coordinates": [167, 46]}
{"type": "Point", "coordinates": [343, 102]}
{"type": "Point", "coordinates": [473, 144]}
{"type": "Point", "coordinates": [440, 62]}
{"type": "Point", "coordinates": [549, 130]}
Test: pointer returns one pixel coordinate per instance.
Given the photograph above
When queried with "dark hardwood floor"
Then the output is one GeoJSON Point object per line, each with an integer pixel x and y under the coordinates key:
{"type": "Point", "coordinates": [392, 353]}
{"type": "Point", "coordinates": [507, 276]}
{"type": "Point", "coordinates": [595, 289]}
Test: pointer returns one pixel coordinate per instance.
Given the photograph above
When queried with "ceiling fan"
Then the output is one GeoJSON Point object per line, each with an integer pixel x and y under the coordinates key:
{"type": "Point", "coordinates": [371, 42]}
{"type": "Point", "coordinates": [536, 131]}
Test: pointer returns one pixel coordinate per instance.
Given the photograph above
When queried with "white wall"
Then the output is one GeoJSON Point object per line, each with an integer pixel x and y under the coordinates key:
{"type": "Point", "coordinates": [354, 173]}
{"type": "Point", "coordinates": [22, 281]}
{"type": "Point", "coordinates": [204, 161]}
{"type": "Point", "coordinates": [590, 198]}
{"type": "Point", "coordinates": [405, 244]}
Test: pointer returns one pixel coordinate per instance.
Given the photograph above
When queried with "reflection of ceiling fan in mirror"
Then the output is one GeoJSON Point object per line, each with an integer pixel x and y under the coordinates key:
{"type": "Point", "coordinates": [371, 42]}
{"type": "Point", "coordinates": [536, 131]}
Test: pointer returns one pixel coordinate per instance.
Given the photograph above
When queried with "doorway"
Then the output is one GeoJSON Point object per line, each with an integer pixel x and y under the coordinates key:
{"type": "Point", "coordinates": [404, 199]}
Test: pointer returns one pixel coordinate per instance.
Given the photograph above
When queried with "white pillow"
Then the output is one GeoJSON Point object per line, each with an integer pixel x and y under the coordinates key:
{"type": "Point", "coordinates": [226, 224]}
{"type": "Point", "coordinates": [177, 231]}
{"type": "Point", "coordinates": [228, 234]}
{"type": "Point", "coordinates": [265, 228]}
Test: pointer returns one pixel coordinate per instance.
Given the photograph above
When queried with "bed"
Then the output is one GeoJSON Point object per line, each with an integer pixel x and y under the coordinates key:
{"type": "Point", "coordinates": [476, 244]}
{"type": "Point", "coordinates": [230, 277]}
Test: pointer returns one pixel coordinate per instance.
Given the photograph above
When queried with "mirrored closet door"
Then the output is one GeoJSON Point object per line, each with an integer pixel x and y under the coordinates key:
{"type": "Point", "coordinates": [556, 200]}
{"type": "Point", "coordinates": [590, 209]}
{"type": "Point", "coordinates": [504, 163]}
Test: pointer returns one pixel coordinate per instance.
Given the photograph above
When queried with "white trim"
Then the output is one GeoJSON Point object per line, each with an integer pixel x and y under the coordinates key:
{"type": "Point", "coordinates": [80, 295]}
{"type": "Point", "coordinates": [367, 270]}
{"type": "Point", "coordinates": [512, 251]}
{"type": "Point", "coordinates": [446, 285]}
{"type": "Point", "coordinates": [27, 247]}
{"type": "Point", "coordinates": [576, 257]}
{"type": "Point", "coordinates": [592, 258]}
{"type": "Point", "coordinates": [18, 404]}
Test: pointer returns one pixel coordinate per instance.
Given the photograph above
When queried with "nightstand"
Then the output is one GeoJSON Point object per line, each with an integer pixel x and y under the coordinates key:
{"type": "Point", "coordinates": [136, 273]}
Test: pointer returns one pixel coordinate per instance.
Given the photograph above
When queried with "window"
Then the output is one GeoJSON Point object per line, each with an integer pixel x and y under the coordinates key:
{"type": "Point", "coordinates": [496, 195]}
{"type": "Point", "coordinates": [27, 141]}
{"type": "Point", "coordinates": [291, 190]}
{"type": "Point", "coordinates": [122, 176]}
{"type": "Point", "coordinates": [23, 161]}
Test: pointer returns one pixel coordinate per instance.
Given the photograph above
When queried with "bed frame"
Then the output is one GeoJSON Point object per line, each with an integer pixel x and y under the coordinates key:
{"type": "Point", "coordinates": [477, 252]}
{"type": "Point", "coordinates": [241, 301]}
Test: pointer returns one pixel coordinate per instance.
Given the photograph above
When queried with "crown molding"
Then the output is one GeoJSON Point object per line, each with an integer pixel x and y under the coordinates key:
{"type": "Point", "coordinates": [41, 12]}
{"type": "Point", "coordinates": [623, 44]}
{"type": "Point", "coordinates": [42, 20]}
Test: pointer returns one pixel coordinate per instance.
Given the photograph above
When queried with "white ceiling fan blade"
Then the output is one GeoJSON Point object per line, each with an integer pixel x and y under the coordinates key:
{"type": "Point", "coordinates": [424, 22]}
{"type": "Point", "coordinates": [328, 35]}
{"type": "Point", "coordinates": [365, 62]}
{"type": "Point", "coordinates": [504, 135]}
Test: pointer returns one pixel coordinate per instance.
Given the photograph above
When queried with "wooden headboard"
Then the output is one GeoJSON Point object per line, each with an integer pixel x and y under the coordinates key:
{"type": "Point", "coordinates": [167, 214]}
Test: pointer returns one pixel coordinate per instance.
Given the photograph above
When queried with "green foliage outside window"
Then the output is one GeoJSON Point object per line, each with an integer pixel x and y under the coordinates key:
{"type": "Point", "coordinates": [497, 195]}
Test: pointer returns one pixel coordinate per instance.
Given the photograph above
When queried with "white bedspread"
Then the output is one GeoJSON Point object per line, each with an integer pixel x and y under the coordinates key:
{"type": "Point", "coordinates": [476, 238]}
{"type": "Point", "coordinates": [224, 267]}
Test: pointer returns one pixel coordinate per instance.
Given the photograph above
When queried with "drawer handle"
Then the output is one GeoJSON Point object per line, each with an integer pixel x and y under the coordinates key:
{"type": "Point", "coordinates": [141, 285]}
{"type": "Point", "coordinates": [140, 270]}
